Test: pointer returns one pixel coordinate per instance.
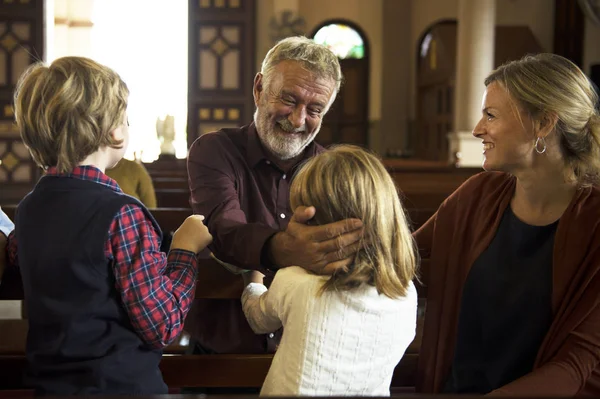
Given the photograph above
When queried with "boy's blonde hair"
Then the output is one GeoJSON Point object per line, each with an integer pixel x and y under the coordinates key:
{"type": "Point", "coordinates": [349, 182]}
{"type": "Point", "coordinates": [66, 111]}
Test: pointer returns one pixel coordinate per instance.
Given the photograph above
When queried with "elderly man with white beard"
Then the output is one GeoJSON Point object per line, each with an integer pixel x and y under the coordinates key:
{"type": "Point", "coordinates": [240, 181]}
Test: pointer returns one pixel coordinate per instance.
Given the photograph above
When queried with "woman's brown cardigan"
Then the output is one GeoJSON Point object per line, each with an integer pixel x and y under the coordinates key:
{"type": "Point", "coordinates": [568, 360]}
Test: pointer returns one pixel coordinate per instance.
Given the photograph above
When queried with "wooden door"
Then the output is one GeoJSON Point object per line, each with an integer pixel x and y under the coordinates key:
{"type": "Point", "coordinates": [21, 44]}
{"type": "Point", "coordinates": [221, 65]}
{"type": "Point", "coordinates": [347, 120]}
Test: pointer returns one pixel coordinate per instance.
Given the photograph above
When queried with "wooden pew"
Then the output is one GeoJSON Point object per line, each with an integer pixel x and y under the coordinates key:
{"type": "Point", "coordinates": [162, 182]}
{"type": "Point", "coordinates": [208, 371]}
{"type": "Point", "coordinates": [190, 370]}
{"type": "Point", "coordinates": [414, 193]}
{"type": "Point", "coordinates": [180, 198]}
{"type": "Point", "coordinates": [172, 198]}
{"type": "Point", "coordinates": [167, 167]}
{"type": "Point", "coordinates": [213, 280]}
{"type": "Point", "coordinates": [424, 184]}
{"type": "Point", "coordinates": [198, 370]}
{"type": "Point", "coordinates": [169, 219]}
{"type": "Point", "coordinates": [249, 370]}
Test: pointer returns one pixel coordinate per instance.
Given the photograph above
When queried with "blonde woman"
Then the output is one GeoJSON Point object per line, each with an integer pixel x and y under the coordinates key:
{"type": "Point", "coordinates": [343, 334]}
{"type": "Point", "coordinates": [513, 303]}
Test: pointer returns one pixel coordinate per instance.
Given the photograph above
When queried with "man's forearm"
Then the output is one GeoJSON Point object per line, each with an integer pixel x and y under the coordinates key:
{"type": "Point", "coordinates": [242, 245]}
{"type": "Point", "coordinates": [273, 252]}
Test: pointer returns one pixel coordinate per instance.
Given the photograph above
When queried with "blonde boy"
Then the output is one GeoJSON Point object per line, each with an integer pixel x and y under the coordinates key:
{"type": "Point", "coordinates": [101, 299]}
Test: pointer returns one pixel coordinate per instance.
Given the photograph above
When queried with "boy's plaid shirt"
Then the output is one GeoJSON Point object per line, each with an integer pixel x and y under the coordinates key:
{"type": "Point", "coordinates": [157, 291]}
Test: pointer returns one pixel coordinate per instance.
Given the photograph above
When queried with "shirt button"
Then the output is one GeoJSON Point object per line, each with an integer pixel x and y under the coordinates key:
{"type": "Point", "coordinates": [271, 335]}
{"type": "Point", "coordinates": [284, 177]}
{"type": "Point", "coordinates": [268, 162]}
{"type": "Point", "coordinates": [282, 216]}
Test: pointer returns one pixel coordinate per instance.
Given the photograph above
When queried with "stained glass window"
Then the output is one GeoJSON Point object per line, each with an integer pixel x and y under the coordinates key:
{"type": "Point", "coordinates": [344, 41]}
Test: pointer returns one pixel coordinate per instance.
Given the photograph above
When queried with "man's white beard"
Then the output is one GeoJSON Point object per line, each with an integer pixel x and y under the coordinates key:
{"type": "Point", "coordinates": [283, 145]}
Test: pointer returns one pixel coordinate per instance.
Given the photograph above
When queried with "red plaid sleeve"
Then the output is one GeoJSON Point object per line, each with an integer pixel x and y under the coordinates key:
{"type": "Point", "coordinates": [157, 290]}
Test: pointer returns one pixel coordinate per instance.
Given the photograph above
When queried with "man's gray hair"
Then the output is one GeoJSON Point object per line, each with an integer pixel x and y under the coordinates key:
{"type": "Point", "coordinates": [315, 57]}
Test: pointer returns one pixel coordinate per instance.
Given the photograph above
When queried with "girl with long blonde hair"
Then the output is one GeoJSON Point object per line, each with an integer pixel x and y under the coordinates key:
{"type": "Point", "coordinates": [343, 334]}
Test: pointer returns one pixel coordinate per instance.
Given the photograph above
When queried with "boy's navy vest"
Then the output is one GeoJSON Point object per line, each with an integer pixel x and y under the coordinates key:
{"type": "Point", "coordinates": [80, 338]}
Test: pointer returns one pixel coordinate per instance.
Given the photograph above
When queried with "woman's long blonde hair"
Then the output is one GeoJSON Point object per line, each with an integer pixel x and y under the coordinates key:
{"type": "Point", "coordinates": [349, 182]}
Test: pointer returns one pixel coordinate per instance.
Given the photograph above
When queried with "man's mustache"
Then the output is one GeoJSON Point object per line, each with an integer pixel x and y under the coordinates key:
{"type": "Point", "coordinates": [289, 128]}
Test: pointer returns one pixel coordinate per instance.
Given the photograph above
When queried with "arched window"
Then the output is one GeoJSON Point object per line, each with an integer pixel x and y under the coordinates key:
{"type": "Point", "coordinates": [348, 119]}
{"type": "Point", "coordinates": [342, 39]}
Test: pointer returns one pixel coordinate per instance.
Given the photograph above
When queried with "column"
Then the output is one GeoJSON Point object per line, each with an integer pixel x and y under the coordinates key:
{"type": "Point", "coordinates": [474, 61]}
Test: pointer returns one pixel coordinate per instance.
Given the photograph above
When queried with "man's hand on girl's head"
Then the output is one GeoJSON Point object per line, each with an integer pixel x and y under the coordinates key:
{"type": "Point", "coordinates": [321, 249]}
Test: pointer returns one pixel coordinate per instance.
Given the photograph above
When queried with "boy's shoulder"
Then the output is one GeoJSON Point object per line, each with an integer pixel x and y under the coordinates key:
{"type": "Point", "coordinates": [79, 197]}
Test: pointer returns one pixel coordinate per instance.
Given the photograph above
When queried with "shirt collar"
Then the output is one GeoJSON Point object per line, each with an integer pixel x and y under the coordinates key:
{"type": "Point", "coordinates": [86, 172]}
{"type": "Point", "coordinates": [256, 153]}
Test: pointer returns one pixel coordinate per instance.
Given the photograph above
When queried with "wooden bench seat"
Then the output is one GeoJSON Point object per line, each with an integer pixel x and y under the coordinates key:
{"type": "Point", "coordinates": [161, 182]}
{"type": "Point", "coordinates": [169, 219]}
{"type": "Point", "coordinates": [181, 370]}
{"type": "Point", "coordinates": [173, 197]}
{"type": "Point", "coordinates": [424, 185]}
{"type": "Point", "coordinates": [180, 198]}
{"type": "Point", "coordinates": [206, 371]}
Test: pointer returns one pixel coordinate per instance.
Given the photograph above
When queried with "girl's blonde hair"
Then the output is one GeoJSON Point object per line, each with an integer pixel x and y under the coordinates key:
{"type": "Point", "coordinates": [349, 182]}
{"type": "Point", "coordinates": [67, 110]}
{"type": "Point", "coordinates": [550, 84]}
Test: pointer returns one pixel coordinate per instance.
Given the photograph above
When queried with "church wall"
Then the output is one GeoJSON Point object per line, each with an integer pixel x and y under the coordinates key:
{"type": "Point", "coordinates": [537, 14]}
{"type": "Point", "coordinates": [591, 49]}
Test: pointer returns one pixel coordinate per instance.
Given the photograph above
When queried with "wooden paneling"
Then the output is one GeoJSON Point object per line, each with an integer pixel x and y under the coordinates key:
{"type": "Point", "coordinates": [21, 44]}
{"type": "Point", "coordinates": [348, 119]}
{"type": "Point", "coordinates": [569, 24]}
{"type": "Point", "coordinates": [221, 65]}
